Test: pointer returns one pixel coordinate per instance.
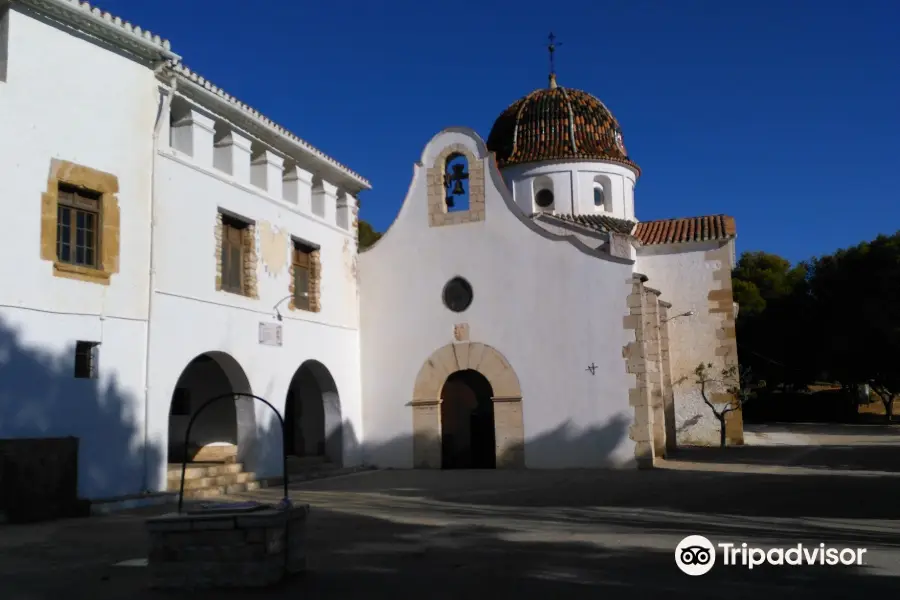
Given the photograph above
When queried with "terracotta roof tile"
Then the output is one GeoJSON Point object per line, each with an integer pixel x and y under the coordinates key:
{"type": "Point", "coordinates": [603, 223]}
{"type": "Point", "coordinates": [690, 229]}
{"type": "Point", "coordinates": [557, 124]}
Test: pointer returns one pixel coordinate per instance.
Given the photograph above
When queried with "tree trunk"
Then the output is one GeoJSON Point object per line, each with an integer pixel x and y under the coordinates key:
{"type": "Point", "coordinates": [721, 431]}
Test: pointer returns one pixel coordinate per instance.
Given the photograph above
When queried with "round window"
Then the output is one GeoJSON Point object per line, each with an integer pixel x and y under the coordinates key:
{"type": "Point", "coordinates": [457, 294]}
{"type": "Point", "coordinates": [544, 198]}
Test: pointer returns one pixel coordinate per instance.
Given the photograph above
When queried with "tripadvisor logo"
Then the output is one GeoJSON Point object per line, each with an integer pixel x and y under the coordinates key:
{"type": "Point", "coordinates": [696, 555]}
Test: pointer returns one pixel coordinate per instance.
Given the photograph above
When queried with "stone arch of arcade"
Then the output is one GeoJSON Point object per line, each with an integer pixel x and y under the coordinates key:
{"type": "Point", "coordinates": [480, 378]}
{"type": "Point", "coordinates": [313, 421]}
{"type": "Point", "coordinates": [226, 429]}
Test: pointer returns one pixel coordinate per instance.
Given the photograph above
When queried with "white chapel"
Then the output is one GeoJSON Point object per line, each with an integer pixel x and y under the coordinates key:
{"type": "Point", "coordinates": [171, 249]}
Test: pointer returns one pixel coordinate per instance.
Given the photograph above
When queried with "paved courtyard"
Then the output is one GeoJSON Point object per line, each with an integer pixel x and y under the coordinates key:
{"type": "Point", "coordinates": [540, 534]}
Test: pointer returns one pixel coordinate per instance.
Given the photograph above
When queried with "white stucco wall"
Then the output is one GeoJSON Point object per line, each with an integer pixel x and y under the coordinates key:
{"type": "Point", "coordinates": [573, 187]}
{"type": "Point", "coordinates": [64, 95]}
{"type": "Point", "coordinates": [685, 277]}
{"type": "Point", "coordinates": [551, 309]}
{"type": "Point", "coordinates": [66, 98]}
{"type": "Point", "coordinates": [190, 317]}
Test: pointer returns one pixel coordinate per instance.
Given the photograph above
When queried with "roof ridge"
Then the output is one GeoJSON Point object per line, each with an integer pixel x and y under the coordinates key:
{"type": "Point", "coordinates": [687, 218]}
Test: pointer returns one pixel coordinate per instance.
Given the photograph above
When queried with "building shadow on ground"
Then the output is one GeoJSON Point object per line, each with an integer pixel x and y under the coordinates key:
{"type": "Point", "coordinates": [542, 534]}
{"type": "Point", "coordinates": [861, 428]}
{"type": "Point", "coordinates": [355, 556]}
{"type": "Point", "coordinates": [360, 556]}
{"type": "Point", "coordinates": [872, 457]}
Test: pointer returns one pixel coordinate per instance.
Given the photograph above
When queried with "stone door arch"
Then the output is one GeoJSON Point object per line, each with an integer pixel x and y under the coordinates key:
{"type": "Point", "coordinates": [509, 429]}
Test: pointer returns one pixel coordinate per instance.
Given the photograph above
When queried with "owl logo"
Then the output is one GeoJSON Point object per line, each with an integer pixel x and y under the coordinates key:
{"type": "Point", "coordinates": [620, 144]}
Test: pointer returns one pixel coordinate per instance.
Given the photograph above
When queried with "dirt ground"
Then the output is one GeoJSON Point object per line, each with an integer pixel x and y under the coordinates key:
{"type": "Point", "coordinates": [541, 534]}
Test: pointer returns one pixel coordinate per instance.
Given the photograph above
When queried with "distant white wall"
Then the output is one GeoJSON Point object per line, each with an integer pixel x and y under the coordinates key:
{"type": "Point", "coordinates": [684, 275]}
{"type": "Point", "coordinates": [549, 308]}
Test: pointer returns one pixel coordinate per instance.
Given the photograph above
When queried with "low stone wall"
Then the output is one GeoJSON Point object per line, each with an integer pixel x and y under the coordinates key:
{"type": "Point", "coordinates": [227, 549]}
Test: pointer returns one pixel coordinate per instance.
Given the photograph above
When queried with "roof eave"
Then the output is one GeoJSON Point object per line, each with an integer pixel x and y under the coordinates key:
{"type": "Point", "coordinates": [571, 225]}
{"type": "Point", "coordinates": [104, 26]}
{"type": "Point", "coordinates": [241, 114]}
{"type": "Point", "coordinates": [686, 242]}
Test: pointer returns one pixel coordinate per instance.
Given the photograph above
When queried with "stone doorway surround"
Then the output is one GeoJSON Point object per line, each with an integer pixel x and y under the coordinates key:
{"type": "Point", "coordinates": [509, 428]}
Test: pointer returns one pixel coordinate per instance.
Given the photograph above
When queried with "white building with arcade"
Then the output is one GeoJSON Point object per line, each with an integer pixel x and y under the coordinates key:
{"type": "Point", "coordinates": [167, 244]}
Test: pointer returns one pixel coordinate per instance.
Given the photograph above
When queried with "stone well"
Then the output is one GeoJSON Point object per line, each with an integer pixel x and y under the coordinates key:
{"type": "Point", "coordinates": [238, 547]}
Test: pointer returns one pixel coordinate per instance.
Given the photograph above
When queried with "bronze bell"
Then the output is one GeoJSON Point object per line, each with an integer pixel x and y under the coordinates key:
{"type": "Point", "coordinates": [458, 189]}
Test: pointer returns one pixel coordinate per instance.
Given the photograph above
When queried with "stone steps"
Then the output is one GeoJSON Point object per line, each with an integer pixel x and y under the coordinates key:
{"type": "Point", "coordinates": [223, 490]}
{"type": "Point", "coordinates": [209, 480]}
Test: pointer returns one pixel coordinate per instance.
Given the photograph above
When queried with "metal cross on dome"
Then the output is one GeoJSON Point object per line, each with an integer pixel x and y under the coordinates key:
{"type": "Point", "coordinates": [551, 47]}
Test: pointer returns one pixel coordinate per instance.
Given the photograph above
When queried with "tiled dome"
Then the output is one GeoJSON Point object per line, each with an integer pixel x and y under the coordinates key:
{"type": "Point", "coordinates": [557, 123]}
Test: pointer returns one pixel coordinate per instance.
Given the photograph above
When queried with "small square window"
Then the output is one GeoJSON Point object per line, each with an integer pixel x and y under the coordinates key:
{"type": "Point", "coordinates": [86, 359]}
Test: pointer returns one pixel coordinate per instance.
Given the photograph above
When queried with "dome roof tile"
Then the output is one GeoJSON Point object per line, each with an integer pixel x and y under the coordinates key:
{"type": "Point", "coordinates": [557, 123]}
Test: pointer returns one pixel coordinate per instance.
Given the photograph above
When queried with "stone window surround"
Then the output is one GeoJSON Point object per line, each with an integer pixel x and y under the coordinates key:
{"type": "Point", "coordinates": [509, 428]}
{"type": "Point", "coordinates": [250, 254]}
{"type": "Point", "coordinates": [105, 184]}
{"type": "Point", "coordinates": [438, 215]}
{"type": "Point", "coordinates": [315, 276]}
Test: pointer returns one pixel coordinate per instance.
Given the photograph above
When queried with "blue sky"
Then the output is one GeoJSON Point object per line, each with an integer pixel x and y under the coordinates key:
{"type": "Point", "coordinates": [781, 114]}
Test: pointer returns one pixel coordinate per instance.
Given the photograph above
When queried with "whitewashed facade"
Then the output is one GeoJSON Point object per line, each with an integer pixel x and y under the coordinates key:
{"type": "Point", "coordinates": [579, 329]}
{"type": "Point", "coordinates": [539, 301]}
{"type": "Point", "coordinates": [175, 158]}
{"type": "Point", "coordinates": [167, 245]}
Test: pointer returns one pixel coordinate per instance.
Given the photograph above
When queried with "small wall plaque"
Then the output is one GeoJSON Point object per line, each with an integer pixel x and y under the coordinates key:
{"type": "Point", "coordinates": [270, 334]}
{"type": "Point", "coordinates": [461, 332]}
